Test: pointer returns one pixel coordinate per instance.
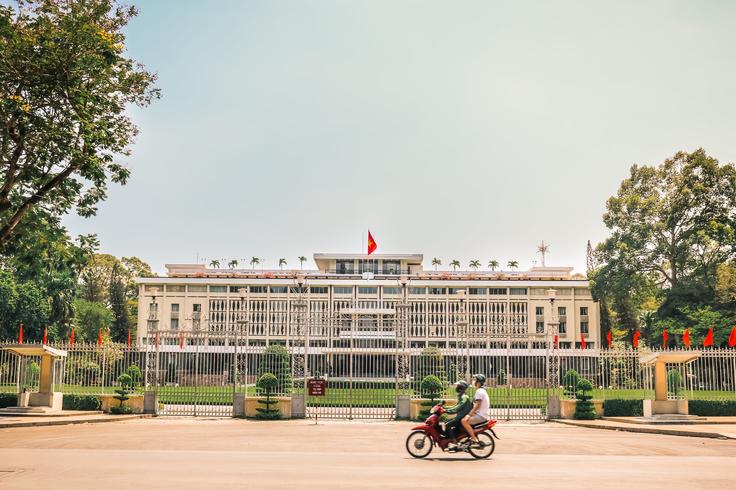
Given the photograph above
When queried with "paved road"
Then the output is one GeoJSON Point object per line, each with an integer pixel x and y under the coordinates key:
{"type": "Point", "coordinates": [228, 453]}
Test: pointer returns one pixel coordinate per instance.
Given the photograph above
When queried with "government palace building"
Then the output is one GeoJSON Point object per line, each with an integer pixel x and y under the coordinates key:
{"type": "Point", "coordinates": [372, 296]}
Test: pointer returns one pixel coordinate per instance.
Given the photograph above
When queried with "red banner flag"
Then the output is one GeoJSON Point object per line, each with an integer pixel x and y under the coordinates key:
{"type": "Point", "coordinates": [128, 337]}
{"type": "Point", "coordinates": [732, 338]}
{"type": "Point", "coordinates": [609, 338]}
{"type": "Point", "coordinates": [20, 334]}
{"type": "Point", "coordinates": [181, 340]}
{"type": "Point", "coordinates": [664, 338]}
{"type": "Point", "coordinates": [155, 341]}
{"type": "Point", "coordinates": [635, 339]}
{"type": "Point", "coordinates": [708, 340]}
{"type": "Point", "coordinates": [686, 338]}
{"type": "Point", "coordinates": [582, 342]}
{"type": "Point", "coordinates": [71, 338]}
{"type": "Point", "coordinates": [372, 245]}
{"type": "Point", "coordinates": [557, 342]}
{"type": "Point", "coordinates": [45, 335]}
{"type": "Point", "coordinates": [99, 337]}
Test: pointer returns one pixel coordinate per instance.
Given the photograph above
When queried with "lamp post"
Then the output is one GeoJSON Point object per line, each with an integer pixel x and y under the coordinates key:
{"type": "Point", "coordinates": [464, 325]}
{"type": "Point", "coordinates": [552, 357]}
{"type": "Point", "coordinates": [242, 325]}
{"type": "Point", "coordinates": [300, 305]}
{"type": "Point", "coordinates": [402, 332]}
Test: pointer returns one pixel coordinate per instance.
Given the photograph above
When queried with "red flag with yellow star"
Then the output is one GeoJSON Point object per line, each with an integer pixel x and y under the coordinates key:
{"type": "Point", "coordinates": [372, 245]}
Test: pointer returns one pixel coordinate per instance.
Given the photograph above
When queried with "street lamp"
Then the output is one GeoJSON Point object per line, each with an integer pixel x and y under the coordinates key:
{"type": "Point", "coordinates": [464, 324]}
{"type": "Point", "coordinates": [552, 357]}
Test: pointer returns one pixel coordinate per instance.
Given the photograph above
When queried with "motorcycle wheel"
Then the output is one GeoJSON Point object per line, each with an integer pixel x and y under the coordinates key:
{"type": "Point", "coordinates": [485, 451]}
{"type": "Point", "coordinates": [419, 444]}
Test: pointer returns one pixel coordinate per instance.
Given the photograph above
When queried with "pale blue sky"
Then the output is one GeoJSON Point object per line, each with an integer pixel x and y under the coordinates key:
{"type": "Point", "coordinates": [453, 129]}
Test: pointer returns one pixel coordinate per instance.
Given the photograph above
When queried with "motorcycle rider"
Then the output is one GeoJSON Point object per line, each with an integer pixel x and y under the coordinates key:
{"type": "Point", "coordinates": [460, 409]}
{"type": "Point", "coordinates": [479, 411]}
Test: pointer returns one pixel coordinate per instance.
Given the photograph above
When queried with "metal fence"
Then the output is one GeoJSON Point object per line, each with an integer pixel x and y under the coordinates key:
{"type": "Point", "coordinates": [365, 371]}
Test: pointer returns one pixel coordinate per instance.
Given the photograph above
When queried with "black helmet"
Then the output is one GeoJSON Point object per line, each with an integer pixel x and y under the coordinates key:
{"type": "Point", "coordinates": [461, 385]}
{"type": "Point", "coordinates": [480, 378]}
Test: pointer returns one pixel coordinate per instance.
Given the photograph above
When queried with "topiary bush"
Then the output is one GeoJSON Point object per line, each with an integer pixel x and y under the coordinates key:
{"type": "Point", "coordinates": [712, 408]}
{"type": "Point", "coordinates": [80, 402]}
{"type": "Point", "coordinates": [276, 360]}
{"type": "Point", "coordinates": [617, 407]}
{"type": "Point", "coordinates": [266, 384]}
{"type": "Point", "coordinates": [584, 408]}
{"type": "Point", "coordinates": [125, 389]}
{"type": "Point", "coordinates": [431, 388]}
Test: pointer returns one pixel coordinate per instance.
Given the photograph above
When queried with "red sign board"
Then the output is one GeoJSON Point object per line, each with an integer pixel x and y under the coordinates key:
{"type": "Point", "coordinates": [316, 387]}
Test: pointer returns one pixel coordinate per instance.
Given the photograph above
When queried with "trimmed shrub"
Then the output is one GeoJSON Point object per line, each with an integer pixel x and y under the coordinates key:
{"type": "Point", "coordinates": [430, 388]}
{"type": "Point", "coordinates": [8, 400]}
{"type": "Point", "coordinates": [617, 407]}
{"type": "Point", "coordinates": [712, 408]}
{"type": "Point", "coordinates": [125, 389]}
{"type": "Point", "coordinates": [81, 402]}
{"type": "Point", "coordinates": [266, 383]}
{"type": "Point", "coordinates": [584, 408]}
{"type": "Point", "coordinates": [123, 410]}
{"type": "Point", "coordinates": [276, 360]}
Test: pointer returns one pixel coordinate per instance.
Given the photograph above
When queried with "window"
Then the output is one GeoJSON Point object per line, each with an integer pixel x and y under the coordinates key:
{"type": "Point", "coordinates": [562, 311]}
{"type": "Point", "coordinates": [540, 327]}
{"type": "Point", "coordinates": [417, 290]}
{"type": "Point", "coordinates": [318, 290]}
{"type": "Point", "coordinates": [154, 288]}
{"type": "Point", "coordinates": [197, 307]}
{"type": "Point", "coordinates": [437, 291]}
{"type": "Point", "coordinates": [174, 324]}
{"type": "Point", "coordinates": [197, 288]}
{"type": "Point", "coordinates": [258, 289]}
{"type": "Point", "coordinates": [583, 327]}
{"type": "Point", "coordinates": [368, 265]}
{"type": "Point", "coordinates": [454, 290]}
{"type": "Point", "coordinates": [279, 289]}
{"type": "Point", "coordinates": [175, 288]}
{"type": "Point", "coordinates": [343, 290]}
{"type": "Point", "coordinates": [298, 290]}
{"type": "Point", "coordinates": [540, 310]}
{"type": "Point", "coordinates": [367, 290]}
{"type": "Point", "coordinates": [345, 266]}
{"type": "Point", "coordinates": [498, 291]}
{"type": "Point", "coordinates": [391, 290]}
{"type": "Point", "coordinates": [236, 289]}
{"type": "Point", "coordinates": [477, 291]}
{"type": "Point", "coordinates": [583, 311]}
{"type": "Point", "coordinates": [391, 267]}
{"type": "Point", "coordinates": [518, 291]}
{"type": "Point", "coordinates": [218, 289]}
{"type": "Point", "coordinates": [174, 307]}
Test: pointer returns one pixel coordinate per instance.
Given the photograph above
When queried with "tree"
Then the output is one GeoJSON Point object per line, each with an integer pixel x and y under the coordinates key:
{"type": "Point", "coordinates": [254, 261]}
{"type": "Point", "coordinates": [267, 383]}
{"type": "Point", "coordinates": [276, 360]}
{"type": "Point", "coordinates": [282, 263]}
{"type": "Point", "coordinates": [302, 259]}
{"type": "Point", "coordinates": [125, 388]}
{"type": "Point", "coordinates": [89, 317]}
{"type": "Point", "coordinates": [121, 320]}
{"type": "Point", "coordinates": [493, 264]}
{"type": "Point", "coordinates": [474, 264]}
{"type": "Point", "coordinates": [24, 303]}
{"type": "Point", "coordinates": [96, 277]}
{"type": "Point", "coordinates": [455, 264]}
{"type": "Point", "coordinates": [436, 262]}
{"type": "Point", "coordinates": [66, 87]}
{"type": "Point", "coordinates": [513, 264]}
{"type": "Point", "coordinates": [215, 264]}
{"type": "Point", "coordinates": [233, 264]}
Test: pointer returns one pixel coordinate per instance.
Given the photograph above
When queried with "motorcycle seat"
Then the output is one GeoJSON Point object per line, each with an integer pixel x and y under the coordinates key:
{"type": "Point", "coordinates": [480, 425]}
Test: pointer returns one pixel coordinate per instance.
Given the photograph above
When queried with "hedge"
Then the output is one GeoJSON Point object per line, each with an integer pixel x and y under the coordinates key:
{"type": "Point", "coordinates": [712, 407]}
{"type": "Point", "coordinates": [81, 402]}
{"type": "Point", "coordinates": [618, 407]}
{"type": "Point", "coordinates": [8, 400]}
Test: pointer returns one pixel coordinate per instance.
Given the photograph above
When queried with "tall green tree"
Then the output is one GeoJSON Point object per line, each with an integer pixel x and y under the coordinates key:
{"type": "Point", "coordinates": [118, 301]}
{"type": "Point", "coordinates": [65, 86]}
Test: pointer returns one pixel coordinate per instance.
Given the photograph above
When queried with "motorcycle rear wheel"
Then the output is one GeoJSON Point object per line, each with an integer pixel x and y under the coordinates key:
{"type": "Point", "coordinates": [419, 444]}
{"type": "Point", "coordinates": [487, 450]}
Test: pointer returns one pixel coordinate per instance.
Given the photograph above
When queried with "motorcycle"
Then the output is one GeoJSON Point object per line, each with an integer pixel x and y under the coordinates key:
{"type": "Point", "coordinates": [423, 438]}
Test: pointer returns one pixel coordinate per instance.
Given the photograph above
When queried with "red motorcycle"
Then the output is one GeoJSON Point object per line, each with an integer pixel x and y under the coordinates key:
{"type": "Point", "coordinates": [423, 438]}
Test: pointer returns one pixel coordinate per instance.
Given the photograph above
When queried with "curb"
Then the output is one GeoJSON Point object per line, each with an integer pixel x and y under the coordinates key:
{"type": "Point", "coordinates": [646, 430]}
{"type": "Point", "coordinates": [101, 420]}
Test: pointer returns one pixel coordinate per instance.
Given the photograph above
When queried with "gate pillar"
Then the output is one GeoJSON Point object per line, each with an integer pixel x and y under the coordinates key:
{"type": "Point", "coordinates": [298, 410]}
{"type": "Point", "coordinates": [239, 405]}
{"type": "Point", "coordinates": [150, 402]}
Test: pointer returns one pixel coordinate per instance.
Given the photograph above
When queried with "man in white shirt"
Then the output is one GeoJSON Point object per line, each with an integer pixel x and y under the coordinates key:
{"type": "Point", "coordinates": [479, 412]}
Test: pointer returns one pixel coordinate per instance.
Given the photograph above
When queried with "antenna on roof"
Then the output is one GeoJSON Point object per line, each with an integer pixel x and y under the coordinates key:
{"type": "Point", "coordinates": [542, 250]}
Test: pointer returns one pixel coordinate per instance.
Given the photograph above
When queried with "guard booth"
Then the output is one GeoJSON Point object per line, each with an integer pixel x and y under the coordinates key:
{"type": "Point", "coordinates": [668, 403]}
{"type": "Point", "coordinates": [39, 372]}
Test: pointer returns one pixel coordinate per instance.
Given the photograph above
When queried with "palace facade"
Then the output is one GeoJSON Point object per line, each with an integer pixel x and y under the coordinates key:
{"type": "Point", "coordinates": [378, 292]}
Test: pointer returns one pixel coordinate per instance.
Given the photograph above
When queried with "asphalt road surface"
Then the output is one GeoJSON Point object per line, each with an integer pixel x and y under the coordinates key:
{"type": "Point", "coordinates": [228, 453]}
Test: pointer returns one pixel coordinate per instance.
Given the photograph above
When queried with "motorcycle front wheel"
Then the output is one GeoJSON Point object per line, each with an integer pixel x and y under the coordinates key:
{"type": "Point", "coordinates": [489, 445]}
{"type": "Point", "coordinates": [419, 444]}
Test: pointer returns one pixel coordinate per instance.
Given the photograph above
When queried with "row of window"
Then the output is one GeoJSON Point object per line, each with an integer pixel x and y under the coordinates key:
{"type": "Point", "coordinates": [562, 317]}
{"type": "Point", "coordinates": [390, 290]}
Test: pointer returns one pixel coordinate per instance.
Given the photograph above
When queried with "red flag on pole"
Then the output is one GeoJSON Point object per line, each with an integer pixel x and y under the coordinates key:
{"type": "Point", "coordinates": [708, 341]}
{"type": "Point", "coordinates": [732, 338]}
{"type": "Point", "coordinates": [99, 337]}
{"type": "Point", "coordinates": [128, 337]}
{"type": "Point", "coordinates": [582, 342]}
{"type": "Point", "coordinates": [557, 341]}
{"type": "Point", "coordinates": [181, 340]}
{"type": "Point", "coordinates": [609, 338]}
{"type": "Point", "coordinates": [635, 339]}
{"type": "Point", "coordinates": [20, 334]}
{"type": "Point", "coordinates": [45, 335]}
{"type": "Point", "coordinates": [155, 341]}
{"type": "Point", "coordinates": [664, 338]}
{"type": "Point", "coordinates": [686, 338]}
{"type": "Point", "coordinates": [71, 338]}
{"type": "Point", "coordinates": [372, 245]}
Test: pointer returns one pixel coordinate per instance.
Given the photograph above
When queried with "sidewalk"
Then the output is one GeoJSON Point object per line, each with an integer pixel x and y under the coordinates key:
{"type": "Point", "coordinates": [7, 422]}
{"type": "Point", "coordinates": [712, 427]}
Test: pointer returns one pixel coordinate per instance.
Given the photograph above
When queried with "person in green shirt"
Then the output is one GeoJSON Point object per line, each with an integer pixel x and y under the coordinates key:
{"type": "Point", "coordinates": [460, 409]}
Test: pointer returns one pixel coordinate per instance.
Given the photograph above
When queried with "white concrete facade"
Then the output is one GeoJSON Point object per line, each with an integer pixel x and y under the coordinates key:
{"type": "Point", "coordinates": [196, 298]}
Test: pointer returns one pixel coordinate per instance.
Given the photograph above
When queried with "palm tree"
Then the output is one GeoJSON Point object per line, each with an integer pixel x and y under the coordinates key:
{"type": "Point", "coordinates": [493, 265]}
{"type": "Point", "coordinates": [455, 264]}
{"type": "Point", "coordinates": [215, 264]}
{"type": "Point", "coordinates": [474, 264]}
{"type": "Point", "coordinates": [282, 263]}
{"type": "Point", "coordinates": [233, 263]}
{"type": "Point", "coordinates": [513, 264]}
{"type": "Point", "coordinates": [436, 262]}
{"type": "Point", "coordinates": [302, 259]}
{"type": "Point", "coordinates": [254, 261]}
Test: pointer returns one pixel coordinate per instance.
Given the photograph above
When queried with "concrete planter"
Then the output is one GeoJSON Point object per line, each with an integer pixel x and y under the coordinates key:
{"type": "Point", "coordinates": [283, 405]}
{"type": "Point", "coordinates": [415, 405]}
{"type": "Point", "coordinates": [135, 402]}
{"type": "Point", "coordinates": [567, 408]}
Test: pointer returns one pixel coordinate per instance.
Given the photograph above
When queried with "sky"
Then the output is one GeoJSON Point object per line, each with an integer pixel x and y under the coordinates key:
{"type": "Point", "coordinates": [460, 130]}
